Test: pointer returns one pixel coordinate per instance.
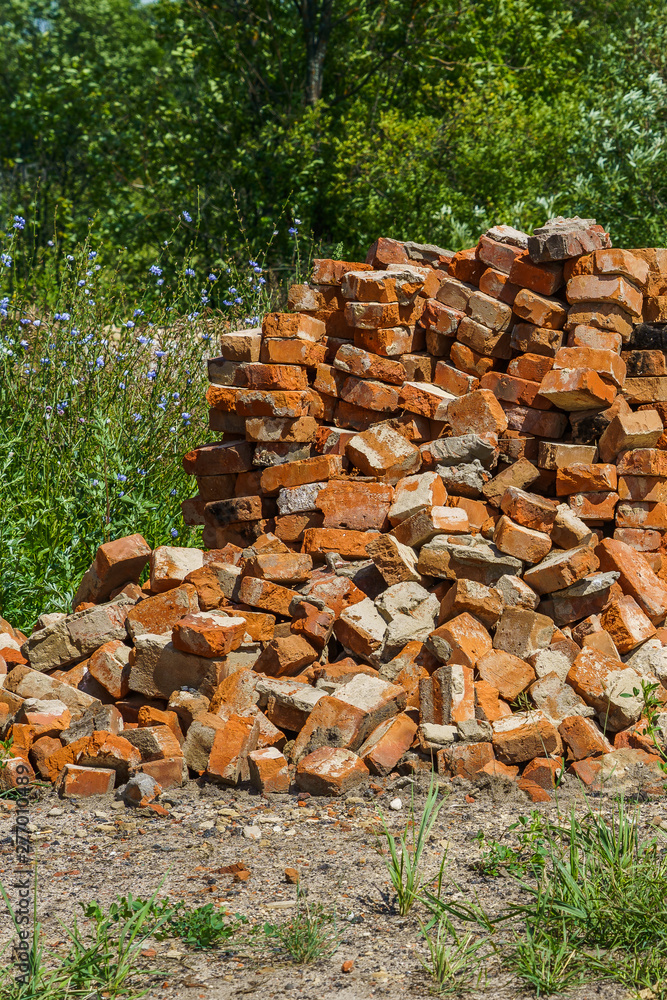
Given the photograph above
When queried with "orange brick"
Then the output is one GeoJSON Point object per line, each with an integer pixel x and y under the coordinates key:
{"type": "Point", "coordinates": [605, 288]}
{"type": "Point", "coordinates": [579, 477]}
{"type": "Point", "coordinates": [497, 284]}
{"type": "Point", "coordinates": [85, 781]}
{"type": "Point", "coordinates": [524, 736]}
{"type": "Point", "coordinates": [269, 771]}
{"type": "Point", "coordinates": [545, 279]}
{"type": "Point", "coordinates": [517, 540]}
{"type": "Point", "coordinates": [464, 760]}
{"type": "Point", "coordinates": [538, 309]}
{"type": "Point", "coordinates": [607, 364]}
{"type": "Point", "coordinates": [506, 673]}
{"type": "Point", "coordinates": [577, 390]}
{"type": "Point", "coordinates": [544, 771]}
{"type": "Point", "coordinates": [478, 413]}
{"type": "Point", "coordinates": [626, 623]}
{"type": "Point", "coordinates": [293, 325]}
{"type": "Point", "coordinates": [637, 578]}
{"type": "Point", "coordinates": [330, 771]}
{"type": "Point", "coordinates": [462, 640]}
{"type": "Point", "coordinates": [583, 738]}
{"type": "Point", "coordinates": [385, 746]}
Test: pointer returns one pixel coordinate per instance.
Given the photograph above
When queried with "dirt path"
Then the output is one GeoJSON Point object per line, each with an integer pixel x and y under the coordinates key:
{"type": "Point", "coordinates": [98, 849]}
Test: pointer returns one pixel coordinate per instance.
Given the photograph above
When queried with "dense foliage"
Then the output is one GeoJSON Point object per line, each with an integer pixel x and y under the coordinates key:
{"type": "Point", "coordinates": [163, 164]}
{"type": "Point", "coordinates": [427, 119]}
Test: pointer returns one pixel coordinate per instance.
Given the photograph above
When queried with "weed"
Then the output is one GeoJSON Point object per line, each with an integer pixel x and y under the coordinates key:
{"type": "Point", "coordinates": [526, 859]}
{"type": "Point", "coordinates": [653, 707]}
{"type": "Point", "coordinates": [102, 391]}
{"type": "Point", "coordinates": [608, 885]}
{"type": "Point", "coordinates": [550, 962]}
{"type": "Point", "coordinates": [6, 750]}
{"type": "Point", "coordinates": [201, 928]}
{"type": "Point", "coordinates": [101, 964]}
{"type": "Point", "coordinates": [307, 936]}
{"type": "Point", "coordinates": [454, 959]}
{"type": "Point", "coordinates": [404, 863]}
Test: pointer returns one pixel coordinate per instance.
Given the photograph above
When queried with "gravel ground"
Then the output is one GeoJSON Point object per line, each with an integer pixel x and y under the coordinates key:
{"type": "Point", "coordinates": [98, 848]}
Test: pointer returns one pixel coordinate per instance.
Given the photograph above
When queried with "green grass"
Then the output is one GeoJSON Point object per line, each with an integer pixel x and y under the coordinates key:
{"type": "Point", "coordinates": [97, 407]}
{"type": "Point", "coordinates": [307, 936]}
{"type": "Point", "coordinates": [592, 906]}
{"type": "Point", "coordinates": [405, 852]}
{"type": "Point", "coordinates": [455, 960]}
{"type": "Point", "coordinates": [102, 962]}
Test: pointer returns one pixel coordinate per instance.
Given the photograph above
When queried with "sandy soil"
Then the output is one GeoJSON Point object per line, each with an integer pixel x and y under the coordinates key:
{"type": "Point", "coordinates": [98, 848]}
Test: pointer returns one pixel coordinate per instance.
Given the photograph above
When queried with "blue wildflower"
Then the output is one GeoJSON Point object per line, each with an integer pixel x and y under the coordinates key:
{"type": "Point", "coordinates": [154, 269]}
{"type": "Point", "coordinates": [212, 277]}
{"type": "Point", "coordinates": [173, 533]}
{"type": "Point", "coordinates": [136, 417]}
{"type": "Point", "coordinates": [121, 478]}
{"type": "Point", "coordinates": [292, 231]}
{"type": "Point", "coordinates": [130, 324]}
{"type": "Point", "coordinates": [189, 272]}
{"type": "Point", "coordinates": [173, 493]}
{"type": "Point", "coordinates": [160, 281]}
{"type": "Point", "coordinates": [138, 312]}
{"type": "Point", "coordinates": [19, 222]}
{"type": "Point", "coordinates": [6, 259]}
{"type": "Point", "coordinates": [187, 216]}
{"type": "Point", "coordinates": [92, 255]}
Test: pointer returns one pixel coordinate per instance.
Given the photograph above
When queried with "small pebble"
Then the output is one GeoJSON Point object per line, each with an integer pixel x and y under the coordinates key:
{"type": "Point", "coordinates": [252, 833]}
{"type": "Point", "coordinates": [396, 804]}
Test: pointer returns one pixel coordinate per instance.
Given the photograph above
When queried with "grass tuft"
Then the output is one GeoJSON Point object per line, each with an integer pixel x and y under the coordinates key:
{"type": "Point", "coordinates": [404, 861]}
{"type": "Point", "coordinates": [310, 934]}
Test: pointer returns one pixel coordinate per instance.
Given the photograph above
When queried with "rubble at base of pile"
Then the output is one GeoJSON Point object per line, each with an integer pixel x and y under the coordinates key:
{"type": "Point", "coordinates": [434, 531]}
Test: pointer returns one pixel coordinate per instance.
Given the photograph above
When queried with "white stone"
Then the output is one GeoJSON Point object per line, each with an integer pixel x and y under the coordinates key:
{"type": "Point", "coordinates": [401, 598]}
{"type": "Point", "coordinates": [298, 499]}
{"type": "Point", "coordinates": [516, 594]}
{"type": "Point", "coordinates": [431, 732]}
{"type": "Point", "coordinates": [396, 804]}
{"type": "Point", "coordinates": [170, 564]}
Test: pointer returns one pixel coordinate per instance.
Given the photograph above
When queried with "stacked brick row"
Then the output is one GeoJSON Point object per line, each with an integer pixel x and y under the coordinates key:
{"type": "Point", "coordinates": [434, 530]}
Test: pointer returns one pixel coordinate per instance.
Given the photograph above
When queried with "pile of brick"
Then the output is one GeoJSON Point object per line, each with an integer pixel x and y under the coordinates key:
{"type": "Point", "coordinates": [433, 528]}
